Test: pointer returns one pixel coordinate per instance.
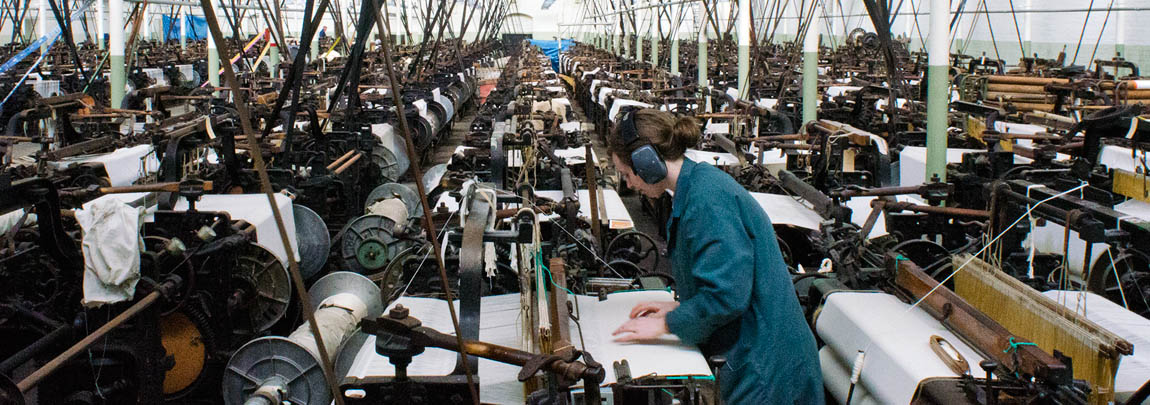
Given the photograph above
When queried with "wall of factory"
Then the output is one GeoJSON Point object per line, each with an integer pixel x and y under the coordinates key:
{"type": "Point", "coordinates": [1055, 25]}
{"type": "Point", "coordinates": [1058, 25]}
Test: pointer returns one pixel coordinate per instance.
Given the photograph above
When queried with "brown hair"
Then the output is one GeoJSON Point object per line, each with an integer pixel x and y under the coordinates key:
{"type": "Point", "coordinates": [670, 135]}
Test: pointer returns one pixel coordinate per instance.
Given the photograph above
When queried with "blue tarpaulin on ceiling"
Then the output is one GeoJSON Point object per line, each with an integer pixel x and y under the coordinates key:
{"type": "Point", "coordinates": [553, 48]}
{"type": "Point", "coordinates": [197, 28]}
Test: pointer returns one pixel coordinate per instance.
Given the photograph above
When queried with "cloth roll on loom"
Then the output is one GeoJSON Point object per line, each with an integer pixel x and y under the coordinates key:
{"type": "Point", "coordinates": [274, 369]}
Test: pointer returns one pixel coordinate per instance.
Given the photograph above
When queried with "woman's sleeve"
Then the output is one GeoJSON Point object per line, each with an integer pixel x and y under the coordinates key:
{"type": "Point", "coordinates": [723, 270]}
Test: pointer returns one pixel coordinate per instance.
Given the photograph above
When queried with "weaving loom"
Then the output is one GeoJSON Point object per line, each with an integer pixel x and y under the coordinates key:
{"type": "Point", "coordinates": [1095, 351]}
{"type": "Point", "coordinates": [500, 325]}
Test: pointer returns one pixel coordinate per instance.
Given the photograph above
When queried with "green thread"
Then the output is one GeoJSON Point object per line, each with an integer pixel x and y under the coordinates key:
{"type": "Point", "coordinates": [667, 289]}
{"type": "Point", "coordinates": [899, 258]}
{"type": "Point", "coordinates": [692, 377]}
{"type": "Point", "coordinates": [552, 280]}
{"type": "Point", "coordinates": [1014, 345]}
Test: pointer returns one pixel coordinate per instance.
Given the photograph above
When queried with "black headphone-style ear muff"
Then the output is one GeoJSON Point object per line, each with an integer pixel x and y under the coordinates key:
{"type": "Point", "coordinates": [645, 159]}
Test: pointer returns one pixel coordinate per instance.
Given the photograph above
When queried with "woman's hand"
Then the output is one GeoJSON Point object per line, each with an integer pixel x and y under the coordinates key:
{"type": "Point", "coordinates": [653, 309]}
{"type": "Point", "coordinates": [641, 328]}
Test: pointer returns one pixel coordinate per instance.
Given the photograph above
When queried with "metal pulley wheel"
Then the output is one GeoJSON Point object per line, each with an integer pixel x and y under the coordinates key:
{"type": "Point", "coordinates": [186, 344]}
{"type": "Point", "coordinates": [389, 166]}
{"type": "Point", "coordinates": [432, 178]}
{"type": "Point", "coordinates": [390, 280]}
{"type": "Point", "coordinates": [313, 240]}
{"type": "Point", "coordinates": [423, 133]}
{"type": "Point", "coordinates": [368, 244]}
{"type": "Point", "coordinates": [1125, 279]}
{"type": "Point", "coordinates": [637, 248]}
{"type": "Point", "coordinates": [264, 286]}
{"type": "Point", "coordinates": [288, 368]}
{"type": "Point", "coordinates": [395, 190]}
{"type": "Point", "coordinates": [275, 358]}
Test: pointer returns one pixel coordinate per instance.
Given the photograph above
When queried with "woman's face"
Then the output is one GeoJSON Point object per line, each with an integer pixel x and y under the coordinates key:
{"type": "Point", "coordinates": [635, 182]}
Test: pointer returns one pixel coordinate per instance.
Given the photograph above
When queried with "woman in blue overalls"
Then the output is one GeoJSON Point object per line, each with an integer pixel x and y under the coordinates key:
{"type": "Point", "coordinates": [735, 294]}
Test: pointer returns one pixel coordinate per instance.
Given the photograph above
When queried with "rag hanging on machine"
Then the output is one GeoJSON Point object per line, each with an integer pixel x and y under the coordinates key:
{"type": "Point", "coordinates": [111, 244]}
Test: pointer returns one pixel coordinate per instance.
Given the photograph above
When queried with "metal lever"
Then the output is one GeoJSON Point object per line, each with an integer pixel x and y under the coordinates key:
{"type": "Point", "coordinates": [406, 335]}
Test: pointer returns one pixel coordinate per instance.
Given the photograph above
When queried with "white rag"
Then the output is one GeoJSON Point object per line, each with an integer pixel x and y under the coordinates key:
{"type": "Point", "coordinates": [111, 244]}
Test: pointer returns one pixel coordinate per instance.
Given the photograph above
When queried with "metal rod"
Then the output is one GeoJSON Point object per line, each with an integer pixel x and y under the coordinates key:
{"type": "Point", "coordinates": [256, 153]}
{"type": "Point", "coordinates": [593, 194]}
{"type": "Point", "coordinates": [50, 367]}
{"type": "Point", "coordinates": [417, 172]}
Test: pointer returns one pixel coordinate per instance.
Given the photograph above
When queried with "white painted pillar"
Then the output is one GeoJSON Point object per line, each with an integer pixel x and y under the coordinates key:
{"type": "Point", "coordinates": [743, 31]}
{"type": "Point", "coordinates": [811, 72]}
{"type": "Point", "coordinates": [1120, 34]}
{"type": "Point", "coordinates": [213, 61]}
{"type": "Point", "coordinates": [938, 89]}
{"type": "Point", "coordinates": [1028, 29]}
{"type": "Point", "coordinates": [184, 31]}
{"type": "Point", "coordinates": [146, 23]}
{"type": "Point", "coordinates": [100, 43]}
{"type": "Point", "coordinates": [42, 24]}
{"type": "Point", "coordinates": [116, 50]}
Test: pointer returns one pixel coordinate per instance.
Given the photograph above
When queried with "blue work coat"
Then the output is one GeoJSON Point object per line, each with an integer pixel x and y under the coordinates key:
{"type": "Point", "coordinates": [736, 296]}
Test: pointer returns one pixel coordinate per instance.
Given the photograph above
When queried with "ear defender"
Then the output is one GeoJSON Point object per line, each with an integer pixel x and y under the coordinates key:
{"type": "Point", "coordinates": [645, 159]}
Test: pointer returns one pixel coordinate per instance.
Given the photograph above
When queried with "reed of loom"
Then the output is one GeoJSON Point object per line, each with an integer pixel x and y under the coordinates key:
{"type": "Point", "coordinates": [1095, 351]}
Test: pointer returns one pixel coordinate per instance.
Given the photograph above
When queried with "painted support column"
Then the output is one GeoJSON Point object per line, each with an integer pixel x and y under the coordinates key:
{"type": "Point", "coordinates": [42, 24]}
{"type": "Point", "coordinates": [116, 50]}
{"type": "Point", "coordinates": [213, 62]}
{"type": "Point", "coordinates": [702, 59]}
{"type": "Point", "coordinates": [655, 48]}
{"type": "Point", "coordinates": [937, 89]}
{"type": "Point", "coordinates": [620, 45]}
{"type": "Point", "coordinates": [100, 43]}
{"type": "Point", "coordinates": [145, 23]}
{"type": "Point", "coordinates": [273, 57]}
{"type": "Point", "coordinates": [638, 46]}
{"type": "Point", "coordinates": [184, 32]}
{"type": "Point", "coordinates": [811, 71]}
{"type": "Point", "coordinates": [1120, 35]}
{"type": "Point", "coordinates": [626, 44]}
{"type": "Point", "coordinates": [313, 50]}
{"type": "Point", "coordinates": [743, 31]}
{"type": "Point", "coordinates": [675, 53]}
{"type": "Point", "coordinates": [1027, 30]}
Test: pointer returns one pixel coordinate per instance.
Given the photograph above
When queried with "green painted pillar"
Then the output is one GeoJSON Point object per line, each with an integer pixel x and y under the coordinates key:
{"type": "Point", "coordinates": [655, 50]}
{"type": "Point", "coordinates": [184, 32]}
{"type": "Point", "coordinates": [702, 60]}
{"type": "Point", "coordinates": [213, 63]}
{"type": "Point", "coordinates": [675, 54]}
{"type": "Point", "coordinates": [743, 31]}
{"type": "Point", "coordinates": [638, 47]}
{"type": "Point", "coordinates": [116, 51]}
{"type": "Point", "coordinates": [274, 59]}
{"type": "Point", "coordinates": [100, 42]}
{"type": "Point", "coordinates": [42, 24]}
{"type": "Point", "coordinates": [811, 72]}
{"type": "Point", "coordinates": [626, 45]}
{"type": "Point", "coordinates": [938, 89]}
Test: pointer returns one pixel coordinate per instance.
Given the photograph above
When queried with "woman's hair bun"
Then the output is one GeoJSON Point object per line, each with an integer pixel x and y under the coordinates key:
{"type": "Point", "coordinates": [685, 133]}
